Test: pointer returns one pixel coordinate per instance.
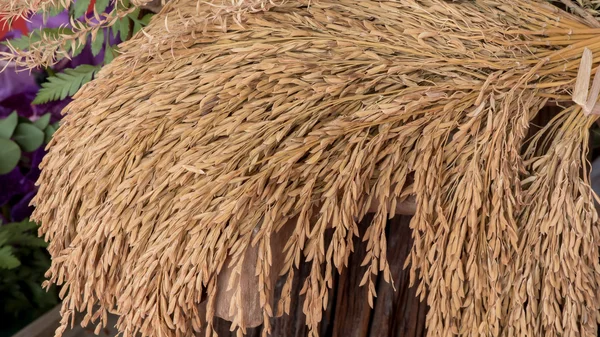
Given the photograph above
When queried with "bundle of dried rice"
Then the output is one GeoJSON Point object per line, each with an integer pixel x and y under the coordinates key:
{"type": "Point", "coordinates": [216, 134]}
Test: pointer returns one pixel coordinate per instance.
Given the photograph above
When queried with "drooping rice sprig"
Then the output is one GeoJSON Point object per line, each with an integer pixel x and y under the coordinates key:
{"type": "Point", "coordinates": [46, 47]}
{"type": "Point", "coordinates": [206, 137]}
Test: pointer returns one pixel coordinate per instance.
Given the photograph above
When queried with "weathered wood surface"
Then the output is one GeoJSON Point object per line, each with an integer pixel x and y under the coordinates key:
{"type": "Point", "coordinates": [395, 314]}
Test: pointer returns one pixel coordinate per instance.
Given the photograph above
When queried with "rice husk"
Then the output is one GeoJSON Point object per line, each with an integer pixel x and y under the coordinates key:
{"type": "Point", "coordinates": [217, 130]}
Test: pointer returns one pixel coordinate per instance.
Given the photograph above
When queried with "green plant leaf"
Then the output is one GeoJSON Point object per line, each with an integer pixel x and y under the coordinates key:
{"type": "Point", "coordinates": [8, 125]}
{"type": "Point", "coordinates": [136, 27]}
{"type": "Point", "coordinates": [146, 19]}
{"type": "Point", "coordinates": [124, 28]}
{"type": "Point", "coordinates": [7, 259]}
{"type": "Point", "coordinates": [134, 15]}
{"type": "Point", "coordinates": [21, 233]}
{"type": "Point", "coordinates": [18, 227]}
{"type": "Point", "coordinates": [79, 8]}
{"type": "Point", "coordinates": [9, 155]}
{"type": "Point", "coordinates": [4, 237]}
{"type": "Point", "coordinates": [48, 133]}
{"type": "Point", "coordinates": [21, 294]}
{"type": "Point", "coordinates": [109, 54]}
{"type": "Point", "coordinates": [55, 9]}
{"type": "Point", "coordinates": [29, 240]}
{"type": "Point", "coordinates": [101, 5]}
{"type": "Point", "coordinates": [42, 122]}
{"type": "Point", "coordinates": [65, 84]}
{"type": "Point", "coordinates": [138, 24]}
{"type": "Point", "coordinates": [98, 42]}
{"type": "Point", "coordinates": [114, 29]}
{"type": "Point", "coordinates": [29, 137]}
{"type": "Point", "coordinates": [34, 36]}
{"type": "Point", "coordinates": [78, 48]}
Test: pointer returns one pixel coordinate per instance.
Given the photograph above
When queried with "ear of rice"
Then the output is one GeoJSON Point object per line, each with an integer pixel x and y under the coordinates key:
{"type": "Point", "coordinates": [216, 133]}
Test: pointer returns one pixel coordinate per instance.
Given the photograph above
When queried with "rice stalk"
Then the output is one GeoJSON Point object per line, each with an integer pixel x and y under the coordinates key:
{"type": "Point", "coordinates": [215, 133]}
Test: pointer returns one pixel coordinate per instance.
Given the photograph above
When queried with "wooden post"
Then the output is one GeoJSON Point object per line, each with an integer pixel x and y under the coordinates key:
{"type": "Point", "coordinates": [395, 313]}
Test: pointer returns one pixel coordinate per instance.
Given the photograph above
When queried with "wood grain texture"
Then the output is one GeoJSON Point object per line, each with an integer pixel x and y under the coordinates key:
{"type": "Point", "coordinates": [395, 313]}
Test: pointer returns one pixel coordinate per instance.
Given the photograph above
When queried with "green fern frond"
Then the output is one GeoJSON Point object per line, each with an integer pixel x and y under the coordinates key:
{"type": "Point", "coordinates": [18, 227]}
{"type": "Point", "coordinates": [7, 259]}
{"type": "Point", "coordinates": [20, 233]}
{"type": "Point", "coordinates": [29, 240]}
{"type": "Point", "coordinates": [65, 84]}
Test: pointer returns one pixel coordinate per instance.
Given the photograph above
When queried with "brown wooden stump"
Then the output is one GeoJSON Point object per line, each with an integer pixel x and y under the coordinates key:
{"type": "Point", "coordinates": [395, 314]}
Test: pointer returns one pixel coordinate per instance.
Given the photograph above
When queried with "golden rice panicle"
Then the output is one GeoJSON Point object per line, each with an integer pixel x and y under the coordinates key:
{"type": "Point", "coordinates": [12, 9]}
{"type": "Point", "coordinates": [466, 220]}
{"type": "Point", "coordinates": [556, 293]}
{"type": "Point", "coordinates": [215, 134]}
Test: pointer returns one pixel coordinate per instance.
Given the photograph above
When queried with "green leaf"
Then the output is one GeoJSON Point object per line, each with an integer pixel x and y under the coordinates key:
{"type": "Point", "coordinates": [42, 122]}
{"type": "Point", "coordinates": [4, 237]}
{"type": "Point", "coordinates": [146, 19]}
{"type": "Point", "coordinates": [18, 227]}
{"type": "Point", "coordinates": [79, 8]}
{"type": "Point", "coordinates": [101, 6]}
{"type": "Point", "coordinates": [55, 10]}
{"type": "Point", "coordinates": [124, 29]}
{"type": "Point", "coordinates": [109, 54]}
{"type": "Point", "coordinates": [21, 294]}
{"type": "Point", "coordinates": [29, 240]}
{"type": "Point", "coordinates": [65, 84]}
{"type": "Point", "coordinates": [28, 137]}
{"type": "Point", "coordinates": [138, 24]}
{"type": "Point", "coordinates": [23, 42]}
{"type": "Point", "coordinates": [136, 27]}
{"type": "Point", "coordinates": [9, 155]}
{"type": "Point", "coordinates": [21, 233]}
{"type": "Point", "coordinates": [98, 42]}
{"type": "Point", "coordinates": [115, 28]}
{"type": "Point", "coordinates": [8, 125]}
{"type": "Point", "coordinates": [78, 48]}
{"type": "Point", "coordinates": [48, 133]}
{"type": "Point", "coordinates": [7, 259]}
{"type": "Point", "coordinates": [135, 14]}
